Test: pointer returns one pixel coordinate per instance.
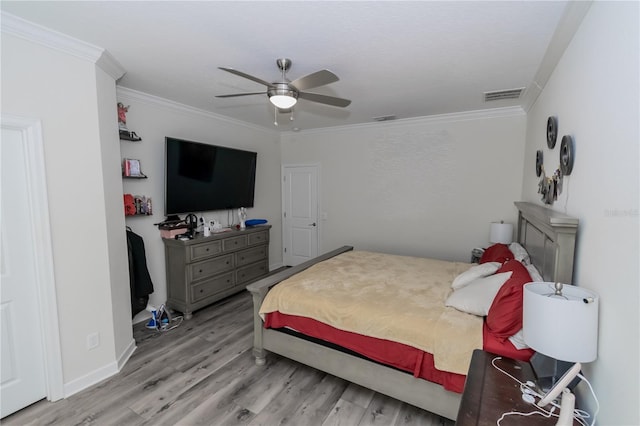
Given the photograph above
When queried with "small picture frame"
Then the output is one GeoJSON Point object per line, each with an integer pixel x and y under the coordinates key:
{"type": "Point", "coordinates": [131, 168]}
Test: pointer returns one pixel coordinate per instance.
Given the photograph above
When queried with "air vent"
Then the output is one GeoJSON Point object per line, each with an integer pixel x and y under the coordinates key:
{"type": "Point", "coordinates": [385, 118]}
{"type": "Point", "coordinates": [503, 94]}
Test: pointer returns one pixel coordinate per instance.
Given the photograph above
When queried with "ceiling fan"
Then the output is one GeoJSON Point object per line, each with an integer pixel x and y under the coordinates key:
{"type": "Point", "coordinates": [284, 94]}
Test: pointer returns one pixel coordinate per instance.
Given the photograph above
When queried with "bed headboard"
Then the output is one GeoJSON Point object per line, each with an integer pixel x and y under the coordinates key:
{"type": "Point", "coordinates": [550, 239]}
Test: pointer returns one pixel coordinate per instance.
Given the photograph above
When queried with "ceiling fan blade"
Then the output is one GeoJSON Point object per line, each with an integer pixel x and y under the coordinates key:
{"type": "Point", "coordinates": [316, 79]}
{"type": "Point", "coordinates": [324, 99]}
{"type": "Point", "coordinates": [245, 75]}
{"type": "Point", "coordinates": [233, 95]}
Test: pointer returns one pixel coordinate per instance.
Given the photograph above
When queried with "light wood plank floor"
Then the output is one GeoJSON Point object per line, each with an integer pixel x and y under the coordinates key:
{"type": "Point", "coordinates": [203, 373]}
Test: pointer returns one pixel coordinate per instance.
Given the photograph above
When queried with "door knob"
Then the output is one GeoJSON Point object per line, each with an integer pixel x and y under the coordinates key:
{"type": "Point", "coordinates": [312, 224]}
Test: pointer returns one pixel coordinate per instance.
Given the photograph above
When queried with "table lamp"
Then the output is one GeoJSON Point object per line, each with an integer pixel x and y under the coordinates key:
{"type": "Point", "coordinates": [501, 233]}
{"type": "Point", "coordinates": [560, 322]}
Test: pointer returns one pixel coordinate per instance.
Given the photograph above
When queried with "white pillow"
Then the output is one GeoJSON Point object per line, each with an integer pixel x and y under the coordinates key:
{"type": "Point", "coordinates": [476, 297]}
{"type": "Point", "coordinates": [517, 340]}
{"type": "Point", "coordinates": [535, 275]}
{"type": "Point", "coordinates": [520, 253]}
{"type": "Point", "coordinates": [473, 273]}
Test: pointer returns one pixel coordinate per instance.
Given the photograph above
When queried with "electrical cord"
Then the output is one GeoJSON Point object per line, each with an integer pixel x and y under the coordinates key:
{"type": "Point", "coordinates": [595, 398]}
{"type": "Point", "coordinates": [526, 388]}
{"type": "Point", "coordinates": [542, 412]}
{"type": "Point", "coordinates": [165, 327]}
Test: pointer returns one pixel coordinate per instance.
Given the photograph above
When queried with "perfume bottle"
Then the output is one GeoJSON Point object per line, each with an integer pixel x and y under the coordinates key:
{"type": "Point", "coordinates": [242, 215]}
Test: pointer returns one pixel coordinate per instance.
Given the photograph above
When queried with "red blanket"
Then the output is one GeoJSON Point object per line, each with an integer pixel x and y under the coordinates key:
{"type": "Point", "coordinates": [398, 355]}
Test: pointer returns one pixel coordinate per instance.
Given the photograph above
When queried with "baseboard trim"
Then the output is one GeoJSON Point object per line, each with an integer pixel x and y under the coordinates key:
{"type": "Point", "coordinates": [274, 266]}
{"type": "Point", "coordinates": [88, 380]}
{"type": "Point", "coordinates": [126, 354]}
{"type": "Point", "coordinates": [101, 373]}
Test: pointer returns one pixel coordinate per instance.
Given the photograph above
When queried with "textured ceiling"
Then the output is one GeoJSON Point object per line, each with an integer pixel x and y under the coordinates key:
{"type": "Point", "coordinates": [408, 59]}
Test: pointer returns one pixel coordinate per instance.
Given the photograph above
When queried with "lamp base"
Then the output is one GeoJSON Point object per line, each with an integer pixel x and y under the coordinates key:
{"type": "Point", "coordinates": [549, 370]}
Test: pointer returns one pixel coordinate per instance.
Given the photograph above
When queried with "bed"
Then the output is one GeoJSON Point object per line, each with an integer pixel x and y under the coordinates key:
{"type": "Point", "coordinates": [547, 236]}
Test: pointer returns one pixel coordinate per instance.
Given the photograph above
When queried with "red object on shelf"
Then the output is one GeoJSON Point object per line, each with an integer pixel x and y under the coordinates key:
{"type": "Point", "coordinates": [129, 205]}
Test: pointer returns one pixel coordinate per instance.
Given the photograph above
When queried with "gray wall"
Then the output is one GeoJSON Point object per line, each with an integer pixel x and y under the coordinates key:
{"type": "Point", "coordinates": [594, 93]}
{"type": "Point", "coordinates": [63, 92]}
{"type": "Point", "coordinates": [154, 118]}
{"type": "Point", "coordinates": [424, 187]}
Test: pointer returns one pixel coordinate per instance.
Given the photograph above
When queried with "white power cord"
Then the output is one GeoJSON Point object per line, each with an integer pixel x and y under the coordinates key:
{"type": "Point", "coordinates": [526, 389]}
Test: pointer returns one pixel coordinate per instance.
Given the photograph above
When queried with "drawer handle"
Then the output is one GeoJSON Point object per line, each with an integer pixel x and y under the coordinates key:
{"type": "Point", "coordinates": [227, 262]}
{"type": "Point", "coordinates": [201, 291]}
{"type": "Point", "coordinates": [242, 258]}
{"type": "Point", "coordinates": [235, 242]}
{"type": "Point", "coordinates": [200, 270]}
{"type": "Point", "coordinates": [207, 248]}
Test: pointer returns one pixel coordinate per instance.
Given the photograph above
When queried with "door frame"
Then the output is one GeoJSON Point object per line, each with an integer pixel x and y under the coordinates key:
{"type": "Point", "coordinates": [318, 201]}
{"type": "Point", "coordinates": [34, 161]}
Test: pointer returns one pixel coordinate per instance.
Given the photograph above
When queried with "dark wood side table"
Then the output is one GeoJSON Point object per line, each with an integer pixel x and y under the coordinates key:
{"type": "Point", "coordinates": [489, 393]}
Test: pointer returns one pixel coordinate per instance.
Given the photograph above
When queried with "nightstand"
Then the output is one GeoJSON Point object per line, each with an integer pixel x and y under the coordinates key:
{"type": "Point", "coordinates": [489, 393]}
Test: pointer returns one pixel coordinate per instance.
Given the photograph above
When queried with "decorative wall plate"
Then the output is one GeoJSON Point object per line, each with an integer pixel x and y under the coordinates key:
{"type": "Point", "coordinates": [566, 155]}
{"type": "Point", "coordinates": [539, 162]}
{"type": "Point", "coordinates": [552, 132]}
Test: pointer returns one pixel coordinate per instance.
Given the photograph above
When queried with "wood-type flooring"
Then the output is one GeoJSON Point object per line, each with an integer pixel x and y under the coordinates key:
{"type": "Point", "coordinates": [203, 373]}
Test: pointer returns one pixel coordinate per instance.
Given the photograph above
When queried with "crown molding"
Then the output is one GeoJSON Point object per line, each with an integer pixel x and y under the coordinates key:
{"type": "Point", "coordinates": [568, 25]}
{"type": "Point", "coordinates": [27, 30]}
{"type": "Point", "coordinates": [431, 119]}
{"type": "Point", "coordinates": [125, 94]}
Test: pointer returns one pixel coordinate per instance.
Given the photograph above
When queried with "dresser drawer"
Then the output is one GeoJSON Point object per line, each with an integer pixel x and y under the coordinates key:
{"type": "Point", "coordinates": [251, 272]}
{"type": "Point", "coordinates": [244, 257]}
{"type": "Point", "coordinates": [202, 251]}
{"type": "Point", "coordinates": [207, 268]}
{"type": "Point", "coordinates": [234, 243]}
{"type": "Point", "coordinates": [258, 238]}
{"type": "Point", "coordinates": [210, 287]}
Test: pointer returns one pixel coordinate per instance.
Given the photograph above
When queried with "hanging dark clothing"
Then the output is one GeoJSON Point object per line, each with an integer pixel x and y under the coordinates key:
{"type": "Point", "coordinates": [139, 278]}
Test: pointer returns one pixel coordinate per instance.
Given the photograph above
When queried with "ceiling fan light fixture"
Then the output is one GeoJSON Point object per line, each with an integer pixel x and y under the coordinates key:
{"type": "Point", "coordinates": [283, 101]}
{"type": "Point", "coordinates": [282, 96]}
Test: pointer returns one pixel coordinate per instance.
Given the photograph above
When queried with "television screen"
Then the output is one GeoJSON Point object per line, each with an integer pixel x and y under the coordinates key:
{"type": "Point", "coordinates": [201, 177]}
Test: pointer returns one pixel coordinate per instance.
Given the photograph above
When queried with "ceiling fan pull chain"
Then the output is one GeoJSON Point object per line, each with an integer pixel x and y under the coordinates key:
{"type": "Point", "coordinates": [291, 115]}
{"type": "Point", "coordinates": [275, 116]}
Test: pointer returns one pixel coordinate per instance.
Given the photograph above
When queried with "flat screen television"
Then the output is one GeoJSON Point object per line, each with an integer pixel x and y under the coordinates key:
{"type": "Point", "coordinates": [201, 177]}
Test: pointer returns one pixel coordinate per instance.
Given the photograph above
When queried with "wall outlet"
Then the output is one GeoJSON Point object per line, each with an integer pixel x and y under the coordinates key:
{"type": "Point", "coordinates": [93, 341]}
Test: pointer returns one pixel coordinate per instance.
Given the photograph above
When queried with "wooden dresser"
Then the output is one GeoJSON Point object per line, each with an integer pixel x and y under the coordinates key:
{"type": "Point", "coordinates": [206, 269]}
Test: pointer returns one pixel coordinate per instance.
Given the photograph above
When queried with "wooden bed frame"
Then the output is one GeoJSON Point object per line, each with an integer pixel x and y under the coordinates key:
{"type": "Point", "coordinates": [547, 235]}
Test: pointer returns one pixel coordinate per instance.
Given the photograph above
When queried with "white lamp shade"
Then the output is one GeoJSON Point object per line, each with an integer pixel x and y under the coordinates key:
{"type": "Point", "coordinates": [564, 328]}
{"type": "Point", "coordinates": [501, 233]}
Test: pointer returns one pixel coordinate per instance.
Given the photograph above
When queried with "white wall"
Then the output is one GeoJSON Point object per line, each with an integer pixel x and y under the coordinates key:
{"type": "Point", "coordinates": [113, 218]}
{"type": "Point", "coordinates": [594, 92]}
{"type": "Point", "coordinates": [61, 90]}
{"type": "Point", "coordinates": [154, 118]}
{"type": "Point", "coordinates": [425, 187]}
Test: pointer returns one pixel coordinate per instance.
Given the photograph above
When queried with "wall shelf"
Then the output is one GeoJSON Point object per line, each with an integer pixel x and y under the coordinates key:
{"type": "Point", "coordinates": [129, 136]}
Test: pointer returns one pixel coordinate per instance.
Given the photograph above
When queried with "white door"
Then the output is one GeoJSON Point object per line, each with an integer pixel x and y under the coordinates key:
{"type": "Point", "coordinates": [300, 213]}
{"type": "Point", "coordinates": [22, 378]}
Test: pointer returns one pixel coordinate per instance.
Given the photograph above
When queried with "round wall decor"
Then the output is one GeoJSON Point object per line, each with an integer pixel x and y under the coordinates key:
{"type": "Point", "coordinates": [566, 155]}
{"type": "Point", "coordinates": [552, 132]}
{"type": "Point", "coordinates": [539, 162]}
